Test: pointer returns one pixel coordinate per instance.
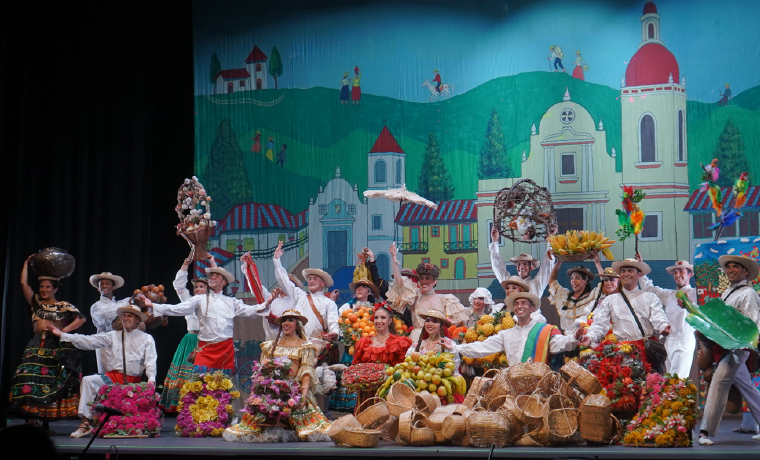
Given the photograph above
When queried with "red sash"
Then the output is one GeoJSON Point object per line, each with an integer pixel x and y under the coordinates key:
{"type": "Point", "coordinates": [219, 355]}
{"type": "Point", "coordinates": [118, 377]}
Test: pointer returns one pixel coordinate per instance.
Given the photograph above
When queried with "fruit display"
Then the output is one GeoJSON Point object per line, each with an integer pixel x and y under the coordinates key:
{"type": "Point", "coordinates": [156, 295]}
{"type": "Point", "coordinates": [363, 376]}
{"type": "Point", "coordinates": [431, 371]}
{"type": "Point", "coordinates": [580, 242]}
{"type": "Point", "coordinates": [357, 324]}
{"type": "Point", "coordinates": [487, 326]}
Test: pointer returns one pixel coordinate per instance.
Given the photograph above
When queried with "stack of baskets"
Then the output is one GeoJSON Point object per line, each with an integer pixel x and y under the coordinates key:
{"type": "Point", "coordinates": [364, 430]}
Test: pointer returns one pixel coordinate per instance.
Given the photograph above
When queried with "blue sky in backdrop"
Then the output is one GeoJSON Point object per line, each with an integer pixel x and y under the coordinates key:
{"type": "Point", "coordinates": [397, 45]}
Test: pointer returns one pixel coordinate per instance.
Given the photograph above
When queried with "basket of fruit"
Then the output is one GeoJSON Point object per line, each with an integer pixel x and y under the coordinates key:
{"type": "Point", "coordinates": [574, 245]}
{"type": "Point", "coordinates": [432, 372]}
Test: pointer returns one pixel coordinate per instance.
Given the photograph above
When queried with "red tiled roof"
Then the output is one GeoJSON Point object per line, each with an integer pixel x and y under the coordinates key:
{"type": "Point", "coordinates": [386, 143]}
{"type": "Point", "coordinates": [256, 55]}
{"type": "Point", "coordinates": [456, 211]}
{"type": "Point", "coordinates": [259, 216]}
{"type": "Point", "coordinates": [232, 74]}
{"type": "Point", "coordinates": [700, 201]}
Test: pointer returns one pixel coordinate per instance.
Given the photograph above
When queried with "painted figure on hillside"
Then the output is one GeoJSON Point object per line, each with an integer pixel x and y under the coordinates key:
{"type": "Point", "coordinates": [282, 156]}
{"type": "Point", "coordinates": [344, 84]}
{"type": "Point", "coordinates": [356, 89]}
{"type": "Point", "coordinates": [437, 80]}
{"type": "Point", "coordinates": [256, 147]}
{"type": "Point", "coordinates": [580, 66]}
{"type": "Point", "coordinates": [726, 96]}
{"type": "Point", "coordinates": [270, 149]}
{"type": "Point", "coordinates": [557, 56]}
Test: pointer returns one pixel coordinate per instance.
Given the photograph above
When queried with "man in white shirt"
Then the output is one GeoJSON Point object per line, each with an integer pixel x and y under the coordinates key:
{"type": "Point", "coordinates": [133, 352]}
{"type": "Point", "coordinates": [103, 312]}
{"type": "Point", "coordinates": [681, 342]}
{"type": "Point", "coordinates": [615, 311]}
{"type": "Point", "coordinates": [732, 369]}
{"type": "Point", "coordinates": [216, 313]}
{"type": "Point", "coordinates": [520, 340]}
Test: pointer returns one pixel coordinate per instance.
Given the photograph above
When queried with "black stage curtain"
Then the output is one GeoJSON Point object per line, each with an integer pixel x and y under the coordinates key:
{"type": "Point", "coordinates": [96, 136]}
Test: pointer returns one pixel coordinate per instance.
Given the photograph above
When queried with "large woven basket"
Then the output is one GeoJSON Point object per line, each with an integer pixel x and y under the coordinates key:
{"type": "Point", "coordinates": [486, 428]}
{"type": "Point", "coordinates": [516, 427]}
{"type": "Point", "coordinates": [562, 424]}
{"type": "Point", "coordinates": [550, 384]}
{"type": "Point", "coordinates": [501, 386]}
{"type": "Point", "coordinates": [405, 426]}
{"type": "Point", "coordinates": [389, 429]}
{"type": "Point", "coordinates": [374, 414]}
{"type": "Point", "coordinates": [453, 429]}
{"type": "Point", "coordinates": [400, 398]}
{"type": "Point", "coordinates": [560, 401]}
{"type": "Point", "coordinates": [435, 422]}
{"type": "Point", "coordinates": [524, 377]}
{"type": "Point", "coordinates": [595, 423]}
{"type": "Point", "coordinates": [581, 378]}
{"type": "Point", "coordinates": [358, 437]}
{"type": "Point", "coordinates": [573, 257]}
{"type": "Point", "coordinates": [421, 435]}
{"type": "Point", "coordinates": [345, 422]}
{"type": "Point", "coordinates": [530, 409]}
{"type": "Point", "coordinates": [426, 403]}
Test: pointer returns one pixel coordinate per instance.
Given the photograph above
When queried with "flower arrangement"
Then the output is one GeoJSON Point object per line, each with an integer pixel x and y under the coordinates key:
{"type": "Point", "coordinates": [137, 401]}
{"type": "Point", "coordinates": [364, 376]}
{"type": "Point", "coordinates": [667, 415]}
{"type": "Point", "coordinates": [273, 393]}
{"type": "Point", "coordinates": [620, 369]}
{"type": "Point", "coordinates": [204, 407]}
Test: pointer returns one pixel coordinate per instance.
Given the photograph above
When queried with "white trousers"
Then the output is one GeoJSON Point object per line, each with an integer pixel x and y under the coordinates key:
{"type": "Point", "coordinates": [680, 348]}
{"type": "Point", "coordinates": [731, 370]}
{"type": "Point", "coordinates": [87, 392]}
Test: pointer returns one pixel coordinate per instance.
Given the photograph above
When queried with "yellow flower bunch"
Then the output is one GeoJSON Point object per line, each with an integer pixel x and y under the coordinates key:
{"type": "Point", "coordinates": [625, 348]}
{"type": "Point", "coordinates": [217, 432]}
{"type": "Point", "coordinates": [235, 394]}
{"type": "Point", "coordinates": [634, 437]}
{"type": "Point", "coordinates": [226, 384]}
{"type": "Point", "coordinates": [665, 439]}
{"type": "Point", "coordinates": [196, 386]}
{"type": "Point", "coordinates": [228, 408]}
{"type": "Point", "coordinates": [611, 338]}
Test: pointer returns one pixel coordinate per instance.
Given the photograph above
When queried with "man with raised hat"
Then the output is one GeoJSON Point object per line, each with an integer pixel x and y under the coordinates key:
{"type": "Point", "coordinates": [321, 310]}
{"type": "Point", "coordinates": [628, 308]}
{"type": "Point", "coordinates": [103, 311]}
{"type": "Point", "coordinates": [216, 313]}
{"type": "Point", "coordinates": [731, 368]}
{"type": "Point", "coordinates": [681, 342]}
{"type": "Point", "coordinates": [132, 353]}
{"type": "Point", "coordinates": [528, 338]}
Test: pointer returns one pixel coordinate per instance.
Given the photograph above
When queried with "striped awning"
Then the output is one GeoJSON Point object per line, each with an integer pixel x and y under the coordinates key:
{"type": "Point", "coordinates": [261, 216]}
{"type": "Point", "coordinates": [700, 201]}
{"type": "Point", "coordinates": [455, 211]}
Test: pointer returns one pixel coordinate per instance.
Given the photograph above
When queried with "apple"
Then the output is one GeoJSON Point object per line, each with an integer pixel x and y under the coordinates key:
{"type": "Point", "coordinates": [447, 372]}
{"type": "Point", "coordinates": [436, 379]}
{"type": "Point", "coordinates": [415, 356]}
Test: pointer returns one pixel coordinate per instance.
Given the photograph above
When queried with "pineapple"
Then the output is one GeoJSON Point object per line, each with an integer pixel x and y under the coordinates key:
{"type": "Point", "coordinates": [470, 336]}
{"type": "Point", "coordinates": [486, 329]}
{"type": "Point", "coordinates": [485, 319]}
{"type": "Point", "coordinates": [507, 322]}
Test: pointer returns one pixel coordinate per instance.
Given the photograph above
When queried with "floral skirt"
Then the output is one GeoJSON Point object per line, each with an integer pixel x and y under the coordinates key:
{"type": "Point", "coordinates": [179, 372]}
{"type": "Point", "coordinates": [308, 422]}
{"type": "Point", "coordinates": [46, 383]}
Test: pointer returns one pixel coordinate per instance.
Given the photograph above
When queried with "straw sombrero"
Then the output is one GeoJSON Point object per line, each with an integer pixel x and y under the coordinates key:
{"type": "Point", "coordinates": [118, 281]}
{"type": "Point", "coordinates": [644, 268]}
{"type": "Point", "coordinates": [750, 264]}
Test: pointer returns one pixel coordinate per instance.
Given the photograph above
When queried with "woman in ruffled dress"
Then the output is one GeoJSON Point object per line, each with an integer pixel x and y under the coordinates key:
{"type": "Point", "coordinates": [385, 347]}
{"type": "Point", "coordinates": [422, 297]}
{"type": "Point", "coordinates": [576, 303]}
{"type": "Point", "coordinates": [306, 419]}
{"type": "Point", "coordinates": [46, 383]}
{"type": "Point", "coordinates": [436, 328]}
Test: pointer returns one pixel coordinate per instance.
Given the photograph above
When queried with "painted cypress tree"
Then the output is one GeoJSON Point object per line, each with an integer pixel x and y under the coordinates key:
{"type": "Point", "coordinates": [213, 71]}
{"type": "Point", "coordinates": [730, 154]}
{"type": "Point", "coordinates": [494, 163]}
{"type": "Point", "coordinates": [226, 177]}
{"type": "Point", "coordinates": [275, 64]}
{"type": "Point", "coordinates": [435, 181]}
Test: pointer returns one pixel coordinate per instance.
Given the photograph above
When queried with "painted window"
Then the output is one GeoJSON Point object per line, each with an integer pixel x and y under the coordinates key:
{"type": "Point", "coordinates": [383, 265]}
{"type": "Point", "coordinates": [259, 84]}
{"type": "Point", "coordinates": [652, 226]}
{"type": "Point", "coordinates": [231, 245]}
{"type": "Point", "coordinates": [414, 234]}
{"type": "Point", "coordinates": [749, 223]}
{"type": "Point", "coordinates": [681, 137]}
{"type": "Point", "coordinates": [249, 244]}
{"type": "Point", "coordinates": [701, 222]}
{"type": "Point", "coordinates": [567, 164]}
{"type": "Point", "coordinates": [444, 263]}
{"type": "Point", "coordinates": [377, 222]}
{"type": "Point", "coordinates": [466, 232]}
{"type": "Point", "coordinates": [647, 144]}
{"type": "Point", "coordinates": [230, 87]}
{"type": "Point", "coordinates": [435, 231]}
{"type": "Point", "coordinates": [258, 67]}
{"type": "Point", "coordinates": [425, 260]}
{"type": "Point", "coordinates": [459, 269]}
{"type": "Point", "coordinates": [242, 84]}
{"type": "Point", "coordinates": [453, 233]}
{"type": "Point", "coordinates": [650, 30]}
{"type": "Point", "coordinates": [352, 209]}
{"type": "Point", "coordinates": [380, 171]}
{"type": "Point", "coordinates": [399, 165]}
{"type": "Point", "coordinates": [323, 209]}
{"type": "Point", "coordinates": [569, 219]}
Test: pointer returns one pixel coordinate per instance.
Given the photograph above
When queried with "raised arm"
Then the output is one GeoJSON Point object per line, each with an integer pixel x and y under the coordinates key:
{"type": "Point", "coordinates": [180, 281]}
{"type": "Point", "coordinates": [395, 265]}
{"type": "Point", "coordinates": [281, 275]}
{"type": "Point", "coordinates": [555, 272]}
{"type": "Point", "coordinates": [246, 311]}
{"type": "Point", "coordinates": [27, 290]}
{"type": "Point", "coordinates": [597, 263]}
{"type": "Point", "coordinates": [497, 262]}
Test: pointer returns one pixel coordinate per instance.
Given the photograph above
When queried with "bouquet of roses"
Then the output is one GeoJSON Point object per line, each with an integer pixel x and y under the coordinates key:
{"type": "Point", "coordinates": [205, 405]}
{"type": "Point", "coordinates": [667, 415]}
{"type": "Point", "coordinates": [364, 376]}
{"type": "Point", "coordinates": [620, 369]}
{"type": "Point", "coordinates": [273, 393]}
{"type": "Point", "coordinates": [138, 403]}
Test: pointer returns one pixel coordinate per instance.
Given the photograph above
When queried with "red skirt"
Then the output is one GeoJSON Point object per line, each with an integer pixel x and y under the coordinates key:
{"type": "Point", "coordinates": [118, 377]}
{"type": "Point", "coordinates": [219, 355]}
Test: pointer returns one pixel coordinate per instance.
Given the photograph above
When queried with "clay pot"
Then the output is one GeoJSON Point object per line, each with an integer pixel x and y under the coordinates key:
{"type": "Point", "coordinates": [55, 262]}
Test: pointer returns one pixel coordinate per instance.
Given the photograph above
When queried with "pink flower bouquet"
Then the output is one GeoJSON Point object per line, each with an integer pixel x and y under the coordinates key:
{"type": "Point", "coordinates": [273, 393]}
{"type": "Point", "coordinates": [138, 403]}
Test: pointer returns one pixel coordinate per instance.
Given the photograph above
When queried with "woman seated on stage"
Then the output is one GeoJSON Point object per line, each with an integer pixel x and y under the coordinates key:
{"type": "Point", "coordinates": [436, 329]}
{"type": "Point", "coordinates": [575, 303]}
{"type": "Point", "coordinates": [307, 420]}
{"type": "Point", "coordinates": [385, 347]}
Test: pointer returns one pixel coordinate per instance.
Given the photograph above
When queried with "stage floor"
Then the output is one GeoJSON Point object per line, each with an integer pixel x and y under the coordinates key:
{"type": "Point", "coordinates": [728, 445]}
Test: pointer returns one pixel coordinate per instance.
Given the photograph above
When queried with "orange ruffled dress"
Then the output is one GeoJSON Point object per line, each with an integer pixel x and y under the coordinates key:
{"type": "Point", "coordinates": [392, 353]}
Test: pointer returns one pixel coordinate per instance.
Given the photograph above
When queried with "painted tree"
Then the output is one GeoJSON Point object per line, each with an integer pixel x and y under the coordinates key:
{"type": "Point", "coordinates": [226, 178]}
{"type": "Point", "coordinates": [494, 163]}
{"type": "Point", "coordinates": [213, 71]}
{"type": "Point", "coordinates": [275, 65]}
{"type": "Point", "coordinates": [435, 180]}
{"type": "Point", "coordinates": [730, 154]}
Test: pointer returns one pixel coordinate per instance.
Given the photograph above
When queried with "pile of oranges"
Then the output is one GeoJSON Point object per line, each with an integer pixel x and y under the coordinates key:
{"type": "Point", "coordinates": [358, 322]}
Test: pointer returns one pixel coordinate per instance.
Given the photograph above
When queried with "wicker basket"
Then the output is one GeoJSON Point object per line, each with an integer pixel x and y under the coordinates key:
{"type": "Point", "coordinates": [389, 429]}
{"type": "Point", "coordinates": [343, 423]}
{"type": "Point", "coordinates": [550, 384]}
{"type": "Point", "coordinates": [530, 409]}
{"type": "Point", "coordinates": [453, 429]}
{"type": "Point", "coordinates": [560, 401]}
{"type": "Point", "coordinates": [524, 377]}
{"type": "Point", "coordinates": [501, 385]}
{"type": "Point", "coordinates": [573, 257]}
{"type": "Point", "coordinates": [495, 403]}
{"type": "Point", "coordinates": [516, 427]}
{"type": "Point", "coordinates": [486, 428]}
{"type": "Point", "coordinates": [426, 403]}
{"type": "Point", "coordinates": [373, 415]}
{"type": "Point", "coordinates": [358, 437]}
{"type": "Point", "coordinates": [617, 430]}
{"type": "Point", "coordinates": [400, 398]}
{"type": "Point", "coordinates": [405, 427]}
{"type": "Point", "coordinates": [581, 378]}
{"type": "Point", "coordinates": [595, 424]}
{"type": "Point", "coordinates": [421, 435]}
{"type": "Point", "coordinates": [573, 393]}
{"type": "Point", "coordinates": [562, 424]}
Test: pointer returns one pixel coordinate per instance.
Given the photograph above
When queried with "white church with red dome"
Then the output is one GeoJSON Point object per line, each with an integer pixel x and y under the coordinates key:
{"type": "Point", "coordinates": [569, 156]}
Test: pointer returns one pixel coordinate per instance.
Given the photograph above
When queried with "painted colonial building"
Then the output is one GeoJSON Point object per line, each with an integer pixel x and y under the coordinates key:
{"type": "Point", "coordinates": [251, 77]}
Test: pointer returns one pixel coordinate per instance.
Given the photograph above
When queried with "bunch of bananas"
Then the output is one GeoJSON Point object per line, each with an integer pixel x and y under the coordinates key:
{"type": "Point", "coordinates": [433, 372]}
{"type": "Point", "coordinates": [577, 242]}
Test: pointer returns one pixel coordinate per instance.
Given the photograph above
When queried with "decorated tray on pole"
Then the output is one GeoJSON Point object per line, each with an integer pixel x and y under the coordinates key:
{"type": "Point", "coordinates": [194, 211]}
{"type": "Point", "coordinates": [524, 213]}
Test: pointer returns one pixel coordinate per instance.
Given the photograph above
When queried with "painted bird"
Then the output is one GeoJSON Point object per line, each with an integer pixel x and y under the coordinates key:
{"type": "Point", "coordinates": [710, 172]}
{"type": "Point", "coordinates": [740, 190]}
{"type": "Point", "coordinates": [726, 220]}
